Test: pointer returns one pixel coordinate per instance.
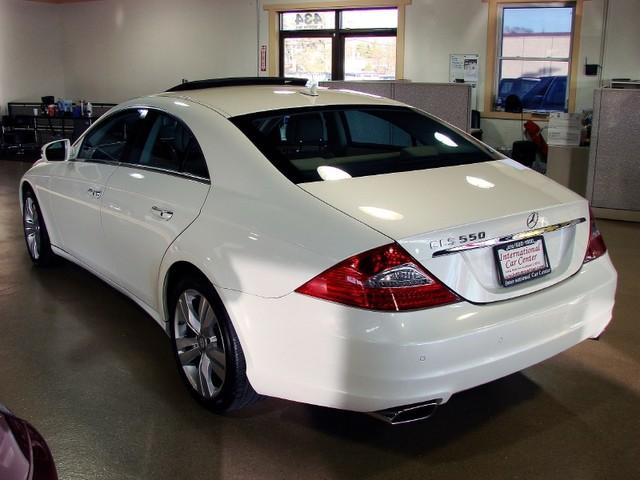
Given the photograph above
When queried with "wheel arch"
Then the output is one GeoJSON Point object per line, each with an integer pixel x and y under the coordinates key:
{"type": "Point", "coordinates": [25, 186]}
{"type": "Point", "coordinates": [30, 185]}
{"type": "Point", "coordinates": [174, 273]}
{"type": "Point", "coordinates": [179, 268]}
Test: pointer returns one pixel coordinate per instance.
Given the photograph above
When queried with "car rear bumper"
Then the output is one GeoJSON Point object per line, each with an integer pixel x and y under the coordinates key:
{"type": "Point", "coordinates": [309, 350]}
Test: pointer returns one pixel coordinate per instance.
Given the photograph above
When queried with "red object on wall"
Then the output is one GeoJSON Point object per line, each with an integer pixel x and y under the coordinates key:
{"type": "Point", "coordinates": [263, 58]}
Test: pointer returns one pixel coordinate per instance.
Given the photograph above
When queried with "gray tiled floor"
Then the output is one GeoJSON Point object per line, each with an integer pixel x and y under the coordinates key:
{"type": "Point", "coordinates": [96, 376]}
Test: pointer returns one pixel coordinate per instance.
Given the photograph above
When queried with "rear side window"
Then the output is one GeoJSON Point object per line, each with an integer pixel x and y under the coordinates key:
{"type": "Point", "coordinates": [171, 146]}
{"type": "Point", "coordinates": [111, 139]}
{"type": "Point", "coordinates": [328, 143]}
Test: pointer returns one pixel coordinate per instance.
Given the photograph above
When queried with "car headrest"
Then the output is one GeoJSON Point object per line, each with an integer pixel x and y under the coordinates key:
{"type": "Point", "coordinates": [307, 129]}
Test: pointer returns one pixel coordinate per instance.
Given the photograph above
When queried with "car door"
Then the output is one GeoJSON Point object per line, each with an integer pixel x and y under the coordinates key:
{"type": "Point", "coordinates": [149, 200]}
{"type": "Point", "coordinates": [77, 186]}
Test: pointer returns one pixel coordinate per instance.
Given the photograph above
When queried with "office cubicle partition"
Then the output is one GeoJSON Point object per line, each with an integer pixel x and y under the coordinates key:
{"type": "Point", "coordinates": [613, 183]}
{"type": "Point", "coordinates": [449, 101]}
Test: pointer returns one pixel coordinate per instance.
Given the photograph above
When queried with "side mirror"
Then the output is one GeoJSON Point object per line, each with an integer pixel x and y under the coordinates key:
{"type": "Point", "coordinates": [57, 151]}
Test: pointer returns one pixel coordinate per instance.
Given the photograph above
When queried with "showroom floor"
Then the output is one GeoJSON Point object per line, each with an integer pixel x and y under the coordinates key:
{"type": "Point", "coordinates": [96, 376]}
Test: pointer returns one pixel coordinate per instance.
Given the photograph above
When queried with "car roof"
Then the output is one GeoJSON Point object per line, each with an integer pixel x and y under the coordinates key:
{"type": "Point", "coordinates": [240, 100]}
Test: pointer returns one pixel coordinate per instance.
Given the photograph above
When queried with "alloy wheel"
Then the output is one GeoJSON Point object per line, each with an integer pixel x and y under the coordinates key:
{"type": "Point", "coordinates": [199, 343]}
{"type": "Point", "coordinates": [32, 227]}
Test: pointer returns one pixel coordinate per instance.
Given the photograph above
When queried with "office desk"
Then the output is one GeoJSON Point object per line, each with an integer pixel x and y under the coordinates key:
{"type": "Point", "coordinates": [569, 166]}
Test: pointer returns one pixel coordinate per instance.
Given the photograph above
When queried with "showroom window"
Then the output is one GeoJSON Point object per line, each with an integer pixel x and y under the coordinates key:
{"type": "Point", "coordinates": [534, 50]}
{"type": "Point", "coordinates": [339, 44]}
{"type": "Point", "coordinates": [337, 40]}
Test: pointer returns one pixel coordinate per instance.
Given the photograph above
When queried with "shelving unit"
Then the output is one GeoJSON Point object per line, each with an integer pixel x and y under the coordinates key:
{"type": "Point", "coordinates": [45, 128]}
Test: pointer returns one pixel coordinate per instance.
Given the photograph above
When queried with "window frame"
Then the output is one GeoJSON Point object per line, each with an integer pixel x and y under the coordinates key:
{"type": "Point", "coordinates": [493, 57]}
{"type": "Point", "coordinates": [338, 36]}
{"type": "Point", "coordinates": [276, 37]}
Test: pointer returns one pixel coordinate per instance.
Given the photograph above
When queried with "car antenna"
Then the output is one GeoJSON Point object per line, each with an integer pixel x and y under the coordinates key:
{"type": "Point", "coordinates": [312, 89]}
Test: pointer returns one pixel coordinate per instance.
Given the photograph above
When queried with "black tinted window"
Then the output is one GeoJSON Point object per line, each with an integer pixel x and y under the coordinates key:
{"type": "Point", "coordinates": [113, 136]}
{"type": "Point", "coordinates": [170, 145]}
{"type": "Point", "coordinates": [326, 143]}
{"type": "Point", "coordinates": [365, 127]}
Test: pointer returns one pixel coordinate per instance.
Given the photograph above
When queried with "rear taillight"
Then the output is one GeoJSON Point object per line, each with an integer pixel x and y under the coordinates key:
{"type": "Point", "coordinates": [596, 247]}
{"type": "Point", "coordinates": [385, 278]}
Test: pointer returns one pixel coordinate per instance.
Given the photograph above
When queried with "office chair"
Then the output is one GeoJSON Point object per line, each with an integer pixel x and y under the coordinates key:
{"type": "Point", "coordinates": [476, 131]}
{"type": "Point", "coordinates": [513, 104]}
{"type": "Point", "coordinates": [524, 152]}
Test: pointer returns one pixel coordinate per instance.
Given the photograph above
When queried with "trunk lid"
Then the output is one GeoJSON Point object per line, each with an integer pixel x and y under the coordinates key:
{"type": "Point", "coordinates": [450, 219]}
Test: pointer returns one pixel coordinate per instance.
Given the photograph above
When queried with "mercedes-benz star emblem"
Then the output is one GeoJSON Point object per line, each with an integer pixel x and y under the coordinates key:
{"type": "Point", "coordinates": [532, 220]}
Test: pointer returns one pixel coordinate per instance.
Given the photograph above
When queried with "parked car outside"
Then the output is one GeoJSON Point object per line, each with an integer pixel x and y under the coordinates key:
{"type": "Point", "coordinates": [514, 86]}
{"type": "Point", "coordinates": [546, 94]}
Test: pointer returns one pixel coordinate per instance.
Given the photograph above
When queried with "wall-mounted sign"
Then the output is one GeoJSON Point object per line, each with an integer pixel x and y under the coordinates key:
{"type": "Point", "coordinates": [463, 68]}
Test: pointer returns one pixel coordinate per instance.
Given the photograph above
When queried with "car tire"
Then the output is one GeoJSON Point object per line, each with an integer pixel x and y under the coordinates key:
{"type": "Point", "coordinates": [206, 347]}
{"type": "Point", "coordinates": [36, 235]}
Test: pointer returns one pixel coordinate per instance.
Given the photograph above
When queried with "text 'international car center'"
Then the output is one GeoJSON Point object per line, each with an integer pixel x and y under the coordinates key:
{"type": "Point", "coordinates": [319, 239]}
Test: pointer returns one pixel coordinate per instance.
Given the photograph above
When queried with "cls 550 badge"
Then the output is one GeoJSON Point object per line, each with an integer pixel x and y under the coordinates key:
{"type": "Point", "coordinates": [451, 241]}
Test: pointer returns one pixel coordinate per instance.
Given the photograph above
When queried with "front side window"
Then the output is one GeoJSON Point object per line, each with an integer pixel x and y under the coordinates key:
{"type": "Point", "coordinates": [533, 57]}
{"type": "Point", "coordinates": [330, 143]}
{"type": "Point", "coordinates": [112, 138]}
{"type": "Point", "coordinates": [339, 44]}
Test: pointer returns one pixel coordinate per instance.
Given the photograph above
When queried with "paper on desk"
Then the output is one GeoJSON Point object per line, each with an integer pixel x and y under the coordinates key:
{"type": "Point", "coordinates": [564, 128]}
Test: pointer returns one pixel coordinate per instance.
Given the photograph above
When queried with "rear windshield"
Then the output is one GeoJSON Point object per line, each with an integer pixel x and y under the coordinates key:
{"type": "Point", "coordinates": [331, 143]}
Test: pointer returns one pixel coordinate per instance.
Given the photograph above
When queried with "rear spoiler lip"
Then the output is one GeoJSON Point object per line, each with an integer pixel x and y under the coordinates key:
{"type": "Point", "coordinates": [237, 82]}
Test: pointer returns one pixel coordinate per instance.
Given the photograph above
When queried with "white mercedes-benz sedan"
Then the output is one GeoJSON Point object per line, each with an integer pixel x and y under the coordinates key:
{"type": "Point", "coordinates": [322, 246]}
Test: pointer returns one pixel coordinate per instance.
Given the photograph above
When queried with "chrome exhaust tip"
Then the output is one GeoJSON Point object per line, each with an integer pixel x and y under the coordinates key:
{"type": "Point", "coordinates": [408, 413]}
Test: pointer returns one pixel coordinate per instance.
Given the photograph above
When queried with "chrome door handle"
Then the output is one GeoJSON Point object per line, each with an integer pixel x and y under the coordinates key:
{"type": "Point", "coordinates": [94, 193]}
{"type": "Point", "coordinates": [162, 212]}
